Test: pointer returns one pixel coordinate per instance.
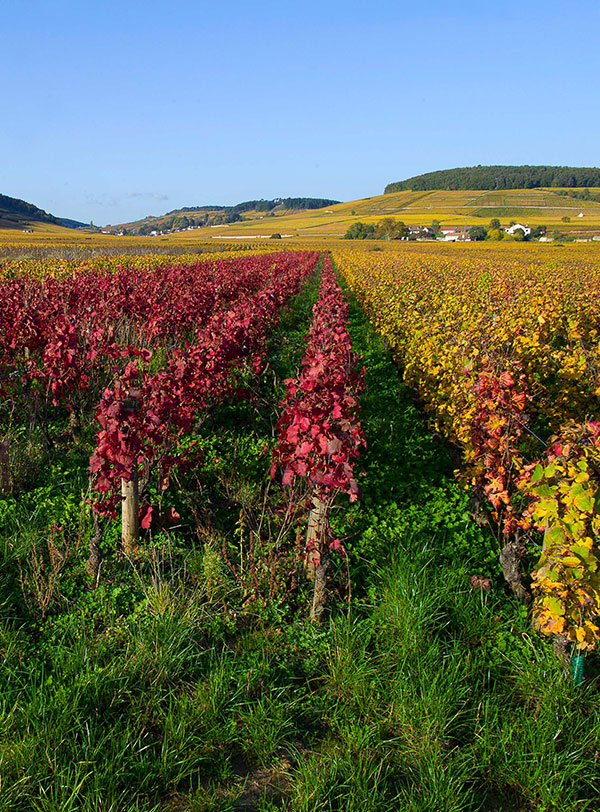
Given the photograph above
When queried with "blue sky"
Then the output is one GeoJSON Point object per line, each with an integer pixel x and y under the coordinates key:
{"type": "Point", "coordinates": [110, 111]}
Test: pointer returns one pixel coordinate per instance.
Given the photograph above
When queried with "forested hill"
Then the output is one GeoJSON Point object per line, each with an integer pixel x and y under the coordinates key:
{"type": "Point", "coordinates": [266, 205]}
{"type": "Point", "coordinates": [202, 216]}
{"type": "Point", "coordinates": [15, 213]}
{"type": "Point", "coordinates": [499, 177]}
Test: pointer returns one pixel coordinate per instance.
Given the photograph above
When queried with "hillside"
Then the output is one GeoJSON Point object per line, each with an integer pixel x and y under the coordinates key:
{"type": "Point", "coordinates": [207, 216]}
{"type": "Point", "coordinates": [68, 223]}
{"type": "Point", "coordinates": [15, 213]}
{"type": "Point", "coordinates": [571, 210]}
{"type": "Point", "coordinates": [492, 178]}
{"type": "Point", "coordinates": [558, 209]}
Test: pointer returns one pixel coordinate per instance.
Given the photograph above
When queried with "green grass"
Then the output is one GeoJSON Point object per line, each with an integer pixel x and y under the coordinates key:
{"type": "Point", "coordinates": [170, 688]}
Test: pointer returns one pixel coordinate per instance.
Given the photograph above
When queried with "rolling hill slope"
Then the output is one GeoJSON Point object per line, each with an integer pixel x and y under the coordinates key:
{"type": "Point", "coordinates": [569, 209]}
{"type": "Point", "coordinates": [457, 208]}
{"type": "Point", "coordinates": [208, 216]}
{"type": "Point", "coordinates": [16, 214]}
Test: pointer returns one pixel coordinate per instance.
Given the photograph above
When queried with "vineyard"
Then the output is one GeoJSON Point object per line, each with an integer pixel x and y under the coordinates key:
{"type": "Point", "coordinates": [300, 530]}
{"type": "Point", "coordinates": [506, 360]}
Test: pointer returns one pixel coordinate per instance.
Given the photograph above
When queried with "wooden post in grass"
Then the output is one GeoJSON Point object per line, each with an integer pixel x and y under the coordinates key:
{"type": "Point", "coordinates": [5, 477]}
{"type": "Point", "coordinates": [320, 590]}
{"type": "Point", "coordinates": [130, 491]}
{"type": "Point", "coordinates": [317, 560]}
{"type": "Point", "coordinates": [314, 535]}
{"type": "Point", "coordinates": [130, 511]}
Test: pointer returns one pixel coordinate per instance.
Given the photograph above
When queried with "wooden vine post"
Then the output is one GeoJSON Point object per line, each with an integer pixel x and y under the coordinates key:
{"type": "Point", "coordinates": [130, 512]}
{"type": "Point", "coordinates": [130, 501]}
{"type": "Point", "coordinates": [5, 476]}
{"type": "Point", "coordinates": [320, 590]}
{"type": "Point", "coordinates": [314, 534]}
{"type": "Point", "coordinates": [317, 560]}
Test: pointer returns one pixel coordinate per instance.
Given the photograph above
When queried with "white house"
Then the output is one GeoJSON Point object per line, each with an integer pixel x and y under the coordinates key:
{"type": "Point", "coordinates": [454, 234]}
{"type": "Point", "coordinates": [511, 230]}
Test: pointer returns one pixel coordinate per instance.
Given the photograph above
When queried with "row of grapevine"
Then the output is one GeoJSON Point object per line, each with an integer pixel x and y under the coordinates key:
{"type": "Point", "coordinates": [144, 414]}
{"type": "Point", "coordinates": [52, 267]}
{"type": "Point", "coordinates": [65, 336]}
{"type": "Point", "coordinates": [146, 349]}
{"type": "Point", "coordinates": [153, 345]}
{"type": "Point", "coordinates": [319, 432]}
{"type": "Point", "coordinates": [505, 355]}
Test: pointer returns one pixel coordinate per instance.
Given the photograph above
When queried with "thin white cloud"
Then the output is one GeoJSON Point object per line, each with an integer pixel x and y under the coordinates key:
{"type": "Point", "coordinates": [102, 200]}
{"type": "Point", "coordinates": [149, 195]}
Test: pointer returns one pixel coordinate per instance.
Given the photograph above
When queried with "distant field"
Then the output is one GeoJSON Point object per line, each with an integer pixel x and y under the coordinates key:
{"type": "Point", "coordinates": [451, 208]}
{"type": "Point", "coordinates": [551, 213]}
{"type": "Point", "coordinates": [534, 207]}
{"type": "Point", "coordinates": [67, 244]}
{"type": "Point", "coordinates": [535, 197]}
